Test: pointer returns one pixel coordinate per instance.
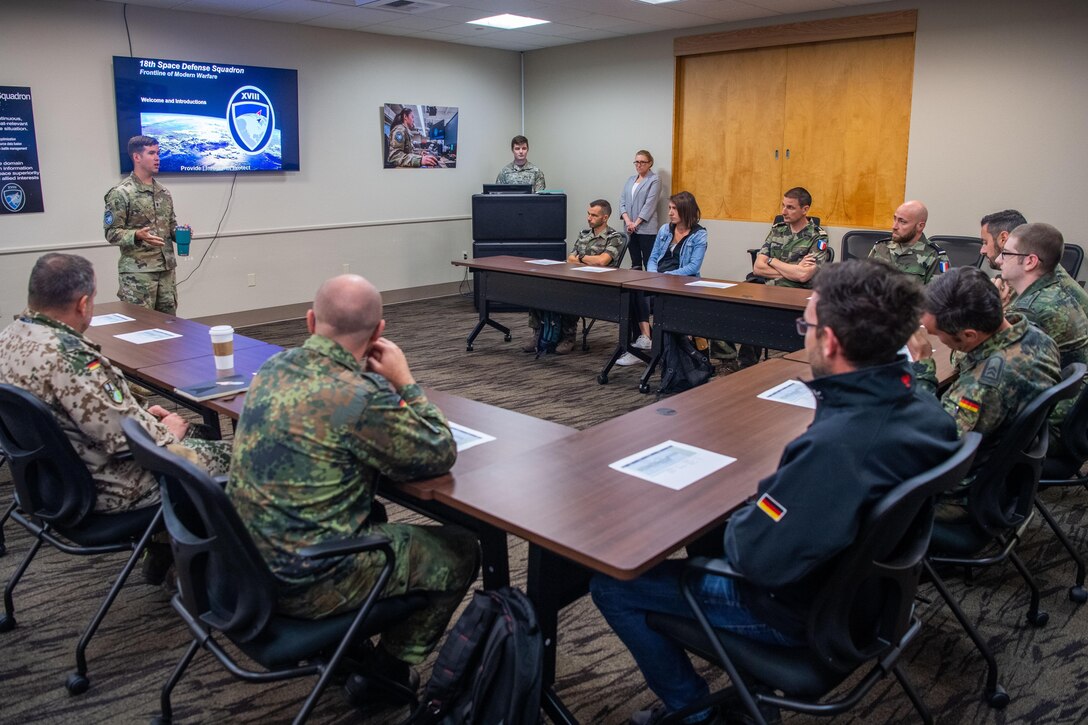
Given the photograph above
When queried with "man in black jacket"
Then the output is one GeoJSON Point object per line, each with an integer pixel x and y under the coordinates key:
{"type": "Point", "coordinates": [872, 431]}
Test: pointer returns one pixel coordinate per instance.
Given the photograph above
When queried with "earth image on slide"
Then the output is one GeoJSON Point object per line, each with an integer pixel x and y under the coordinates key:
{"type": "Point", "coordinates": [204, 143]}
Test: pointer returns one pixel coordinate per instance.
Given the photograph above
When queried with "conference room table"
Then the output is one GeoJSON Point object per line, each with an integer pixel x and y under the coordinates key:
{"type": "Point", "coordinates": [571, 289]}
{"type": "Point", "coordinates": [744, 313]}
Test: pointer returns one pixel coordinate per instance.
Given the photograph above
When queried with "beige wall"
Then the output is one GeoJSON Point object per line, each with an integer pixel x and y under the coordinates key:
{"type": "Point", "coordinates": [400, 228]}
{"type": "Point", "coordinates": [998, 111]}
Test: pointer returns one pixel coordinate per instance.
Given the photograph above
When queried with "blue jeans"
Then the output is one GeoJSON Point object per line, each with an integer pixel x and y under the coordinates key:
{"type": "Point", "coordinates": [663, 662]}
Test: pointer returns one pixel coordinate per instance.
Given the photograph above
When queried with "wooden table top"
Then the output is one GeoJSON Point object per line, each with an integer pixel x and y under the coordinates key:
{"type": "Point", "coordinates": [193, 343]}
{"type": "Point", "coordinates": [745, 292]}
{"type": "Point", "coordinates": [565, 497]}
{"type": "Point", "coordinates": [564, 271]}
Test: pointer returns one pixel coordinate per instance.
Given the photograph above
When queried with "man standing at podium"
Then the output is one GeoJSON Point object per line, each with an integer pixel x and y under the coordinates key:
{"type": "Point", "coordinates": [520, 170]}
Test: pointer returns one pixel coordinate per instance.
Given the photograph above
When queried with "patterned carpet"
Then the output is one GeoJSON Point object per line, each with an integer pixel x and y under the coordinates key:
{"type": "Point", "coordinates": [1042, 669]}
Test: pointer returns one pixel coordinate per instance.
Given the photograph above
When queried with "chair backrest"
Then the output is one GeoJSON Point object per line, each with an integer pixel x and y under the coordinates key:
{"type": "Point", "coordinates": [962, 251]}
{"type": "Point", "coordinates": [866, 603]}
{"type": "Point", "coordinates": [222, 579]}
{"type": "Point", "coordinates": [1002, 493]}
{"type": "Point", "coordinates": [1075, 430]}
{"type": "Point", "coordinates": [1071, 259]}
{"type": "Point", "coordinates": [618, 261]}
{"type": "Point", "coordinates": [51, 481]}
{"type": "Point", "coordinates": [858, 243]}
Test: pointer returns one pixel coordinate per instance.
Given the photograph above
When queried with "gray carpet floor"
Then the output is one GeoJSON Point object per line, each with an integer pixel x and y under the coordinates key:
{"type": "Point", "coordinates": [141, 639]}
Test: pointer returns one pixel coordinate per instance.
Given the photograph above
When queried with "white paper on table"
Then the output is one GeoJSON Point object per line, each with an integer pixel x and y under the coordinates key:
{"type": "Point", "coordinates": [671, 464]}
{"type": "Point", "coordinates": [543, 261]}
{"type": "Point", "coordinates": [708, 283]}
{"type": "Point", "coordinates": [466, 438]}
{"type": "Point", "coordinates": [594, 269]}
{"type": "Point", "coordinates": [791, 392]}
{"type": "Point", "coordinates": [143, 336]}
{"type": "Point", "coordinates": [111, 319]}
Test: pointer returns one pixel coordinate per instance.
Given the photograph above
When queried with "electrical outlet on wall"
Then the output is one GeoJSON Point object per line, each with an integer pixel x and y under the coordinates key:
{"type": "Point", "coordinates": [251, 279]}
{"type": "Point", "coordinates": [464, 255]}
{"type": "Point", "coordinates": [346, 268]}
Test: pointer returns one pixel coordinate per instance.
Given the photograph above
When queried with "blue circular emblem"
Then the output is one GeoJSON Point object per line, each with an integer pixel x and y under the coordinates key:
{"type": "Point", "coordinates": [251, 119]}
{"type": "Point", "coordinates": [13, 197]}
{"type": "Point", "coordinates": [108, 219]}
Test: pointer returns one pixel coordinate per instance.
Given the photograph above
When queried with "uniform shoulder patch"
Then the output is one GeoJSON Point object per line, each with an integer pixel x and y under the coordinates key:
{"type": "Point", "coordinates": [821, 244]}
{"type": "Point", "coordinates": [113, 393]}
{"type": "Point", "coordinates": [398, 136]}
{"type": "Point", "coordinates": [772, 508]}
{"type": "Point", "coordinates": [968, 405]}
{"type": "Point", "coordinates": [107, 220]}
{"type": "Point", "coordinates": [991, 372]}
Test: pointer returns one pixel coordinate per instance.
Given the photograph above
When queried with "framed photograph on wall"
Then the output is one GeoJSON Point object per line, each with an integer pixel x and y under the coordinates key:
{"type": "Point", "coordinates": [418, 136]}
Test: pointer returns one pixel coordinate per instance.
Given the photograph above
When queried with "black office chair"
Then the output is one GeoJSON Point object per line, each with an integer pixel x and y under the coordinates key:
{"type": "Point", "coordinates": [778, 220]}
{"type": "Point", "coordinates": [1000, 500]}
{"type": "Point", "coordinates": [962, 251]}
{"type": "Point", "coordinates": [1072, 258]}
{"type": "Point", "coordinates": [54, 501]}
{"type": "Point", "coordinates": [587, 325]}
{"type": "Point", "coordinates": [224, 586]}
{"type": "Point", "coordinates": [858, 243]}
{"type": "Point", "coordinates": [864, 613]}
{"type": "Point", "coordinates": [7, 513]}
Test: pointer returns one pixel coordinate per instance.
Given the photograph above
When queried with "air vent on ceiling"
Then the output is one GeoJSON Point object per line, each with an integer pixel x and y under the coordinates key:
{"type": "Point", "coordinates": [412, 7]}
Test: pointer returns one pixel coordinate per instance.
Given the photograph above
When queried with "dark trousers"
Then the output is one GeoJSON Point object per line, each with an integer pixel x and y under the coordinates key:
{"type": "Point", "coordinates": [640, 247]}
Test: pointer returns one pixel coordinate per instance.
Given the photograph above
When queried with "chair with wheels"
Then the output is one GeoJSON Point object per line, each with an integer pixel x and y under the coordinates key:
{"type": "Point", "coordinates": [225, 588]}
{"type": "Point", "coordinates": [961, 251]}
{"type": "Point", "coordinates": [587, 325]}
{"type": "Point", "coordinates": [54, 501]}
{"type": "Point", "coordinates": [999, 509]}
{"type": "Point", "coordinates": [1072, 258]}
{"type": "Point", "coordinates": [863, 614]}
{"type": "Point", "coordinates": [857, 244]}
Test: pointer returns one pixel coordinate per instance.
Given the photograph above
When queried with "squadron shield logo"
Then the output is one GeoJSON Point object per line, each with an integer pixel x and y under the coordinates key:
{"type": "Point", "coordinates": [251, 119]}
{"type": "Point", "coordinates": [13, 197]}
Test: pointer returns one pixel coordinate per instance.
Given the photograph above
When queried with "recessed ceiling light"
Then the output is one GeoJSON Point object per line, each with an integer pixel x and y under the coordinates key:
{"type": "Point", "coordinates": [657, 2]}
{"type": "Point", "coordinates": [507, 21]}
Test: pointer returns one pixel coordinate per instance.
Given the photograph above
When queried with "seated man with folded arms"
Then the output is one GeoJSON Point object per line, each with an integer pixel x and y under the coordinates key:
{"type": "Point", "coordinates": [858, 318]}
{"type": "Point", "coordinates": [44, 352]}
{"type": "Point", "coordinates": [994, 232]}
{"type": "Point", "coordinates": [597, 246]}
{"type": "Point", "coordinates": [792, 252]}
{"type": "Point", "coordinates": [322, 424]}
{"type": "Point", "coordinates": [1006, 363]}
{"type": "Point", "coordinates": [1029, 260]}
{"type": "Point", "coordinates": [907, 249]}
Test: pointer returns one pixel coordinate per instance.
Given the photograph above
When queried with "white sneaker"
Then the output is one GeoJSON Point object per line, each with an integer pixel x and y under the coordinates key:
{"type": "Point", "coordinates": [642, 343]}
{"type": "Point", "coordinates": [628, 359]}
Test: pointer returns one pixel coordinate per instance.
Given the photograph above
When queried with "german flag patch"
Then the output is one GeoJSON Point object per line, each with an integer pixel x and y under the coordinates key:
{"type": "Point", "coordinates": [93, 365]}
{"type": "Point", "coordinates": [772, 508]}
{"type": "Point", "coordinates": [968, 405]}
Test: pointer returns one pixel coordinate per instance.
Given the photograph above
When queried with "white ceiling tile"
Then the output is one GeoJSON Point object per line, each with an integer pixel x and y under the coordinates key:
{"type": "Point", "coordinates": [293, 11]}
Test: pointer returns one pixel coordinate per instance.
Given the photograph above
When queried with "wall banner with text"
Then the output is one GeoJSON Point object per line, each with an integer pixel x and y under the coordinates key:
{"type": "Point", "coordinates": [20, 178]}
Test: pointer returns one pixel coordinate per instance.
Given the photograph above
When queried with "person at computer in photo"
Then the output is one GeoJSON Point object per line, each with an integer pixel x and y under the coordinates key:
{"type": "Point", "coordinates": [679, 249]}
{"type": "Point", "coordinates": [597, 246]}
{"type": "Point", "coordinates": [402, 149]}
{"type": "Point", "coordinates": [521, 170]}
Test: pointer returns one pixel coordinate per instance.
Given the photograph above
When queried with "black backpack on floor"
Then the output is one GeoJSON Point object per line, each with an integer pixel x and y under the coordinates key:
{"type": "Point", "coordinates": [489, 670]}
{"type": "Point", "coordinates": [682, 366]}
{"type": "Point", "coordinates": [549, 332]}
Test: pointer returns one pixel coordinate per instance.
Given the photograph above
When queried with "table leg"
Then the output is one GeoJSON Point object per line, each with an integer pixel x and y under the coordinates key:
{"type": "Point", "coordinates": [485, 314]}
{"type": "Point", "coordinates": [657, 345]}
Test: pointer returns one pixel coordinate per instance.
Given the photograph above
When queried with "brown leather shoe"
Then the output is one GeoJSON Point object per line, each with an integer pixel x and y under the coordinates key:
{"type": "Point", "coordinates": [563, 347]}
{"type": "Point", "coordinates": [529, 346]}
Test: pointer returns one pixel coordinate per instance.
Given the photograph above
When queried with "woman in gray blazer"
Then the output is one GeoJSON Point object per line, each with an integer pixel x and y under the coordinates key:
{"type": "Point", "coordinates": [638, 209]}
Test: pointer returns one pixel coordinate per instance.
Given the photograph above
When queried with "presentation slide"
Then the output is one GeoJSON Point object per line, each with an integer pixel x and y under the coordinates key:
{"type": "Point", "coordinates": [208, 116]}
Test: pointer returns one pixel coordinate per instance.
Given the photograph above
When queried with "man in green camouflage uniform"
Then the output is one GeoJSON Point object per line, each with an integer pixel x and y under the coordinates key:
{"type": "Point", "coordinates": [44, 352]}
{"type": "Point", "coordinates": [792, 252]}
{"type": "Point", "coordinates": [994, 232]}
{"type": "Point", "coordinates": [402, 150]}
{"type": "Point", "coordinates": [1006, 363]}
{"type": "Point", "coordinates": [322, 424]}
{"type": "Point", "coordinates": [520, 170]}
{"type": "Point", "coordinates": [597, 246]}
{"type": "Point", "coordinates": [140, 219]}
{"type": "Point", "coordinates": [908, 250]}
{"type": "Point", "coordinates": [1029, 259]}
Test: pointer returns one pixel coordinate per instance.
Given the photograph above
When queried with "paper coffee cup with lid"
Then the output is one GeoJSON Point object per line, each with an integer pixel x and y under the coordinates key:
{"type": "Point", "coordinates": [223, 346]}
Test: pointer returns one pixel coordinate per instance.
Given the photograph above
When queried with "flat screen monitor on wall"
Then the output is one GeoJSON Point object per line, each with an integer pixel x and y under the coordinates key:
{"type": "Point", "coordinates": [208, 117]}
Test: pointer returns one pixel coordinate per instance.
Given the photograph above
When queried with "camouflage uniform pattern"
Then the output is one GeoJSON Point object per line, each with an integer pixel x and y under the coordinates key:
{"type": "Point", "coordinates": [994, 382]}
{"type": "Point", "coordinates": [923, 259]}
{"type": "Point", "coordinates": [1072, 289]}
{"type": "Point", "coordinates": [1052, 307]}
{"type": "Point", "coordinates": [782, 244]}
{"type": "Point", "coordinates": [528, 174]}
{"type": "Point", "coordinates": [590, 245]}
{"type": "Point", "coordinates": [145, 273]}
{"type": "Point", "coordinates": [89, 398]}
{"type": "Point", "coordinates": [315, 437]}
{"type": "Point", "coordinates": [402, 152]}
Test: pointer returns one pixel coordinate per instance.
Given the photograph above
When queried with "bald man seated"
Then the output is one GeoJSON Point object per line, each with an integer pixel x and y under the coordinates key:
{"type": "Point", "coordinates": [907, 249]}
{"type": "Point", "coordinates": [322, 424]}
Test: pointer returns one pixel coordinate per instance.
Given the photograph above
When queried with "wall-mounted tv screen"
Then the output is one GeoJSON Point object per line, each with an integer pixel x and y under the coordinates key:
{"type": "Point", "coordinates": [208, 116]}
